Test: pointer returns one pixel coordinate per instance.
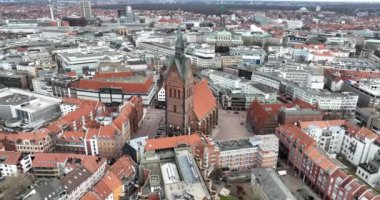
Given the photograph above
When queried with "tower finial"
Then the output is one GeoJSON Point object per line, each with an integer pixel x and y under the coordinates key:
{"type": "Point", "coordinates": [179, 46]}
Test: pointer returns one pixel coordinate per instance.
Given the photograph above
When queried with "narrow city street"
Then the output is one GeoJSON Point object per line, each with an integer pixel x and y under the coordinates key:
{"type": "Point", "coordinates": [293, 182]}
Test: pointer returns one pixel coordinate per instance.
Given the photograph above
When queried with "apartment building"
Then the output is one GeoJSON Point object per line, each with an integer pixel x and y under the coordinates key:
{"type": "Point", "coordinates": [244, 154]}
{"type": "Point", "coordinates": [341, 137]}
{"type": "Point", "coordinates": [369, 118]}
{"type": "Point", "coordinates": [10, 78]}
{"type": "Point", "coordinates": [28, 142]}
{"type": "Point", "coordinates": [81, 177]}
{"type": "Point", "coordinates": [13, 163]}
{"type": "Point", "coordinates": [367, 90]}
{"type": "Point", "coordinates": [316, 169]}
{"type": "Point", "coordinates": [49, 165]}
{"type": "Point", "coordinates": [327, 134]}
{"type": "Point", "coordinates": [370, 170]}
{"type": "Point", "coordinates": [71, 142]}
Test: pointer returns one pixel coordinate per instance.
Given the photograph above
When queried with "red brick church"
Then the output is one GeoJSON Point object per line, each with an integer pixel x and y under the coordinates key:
{"type": "Point", "coordinates": [190, 105]}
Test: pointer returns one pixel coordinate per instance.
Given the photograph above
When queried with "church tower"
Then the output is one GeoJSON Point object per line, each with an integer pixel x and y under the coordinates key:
{"type": "Point", "coordinates": [179, 85]}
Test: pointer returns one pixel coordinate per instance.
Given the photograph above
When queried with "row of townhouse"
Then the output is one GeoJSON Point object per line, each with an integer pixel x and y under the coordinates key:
{"type": "Point", "coordinates": [323, 174]}
{"type": "Point", "coordinates": [81, 130]}
{"type": "Point", "coordinates": [73, 176]}
{"type": "Point", "coordinates": [44, 139]}
{"type": "Point", "coordinates": [105, 138]}
{"type": "Point", "coordinates": [341, 137]}
{"type": "Point", "coordinates": [360, 146]}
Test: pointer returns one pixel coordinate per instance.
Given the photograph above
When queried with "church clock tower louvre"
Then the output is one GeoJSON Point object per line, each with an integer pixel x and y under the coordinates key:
{"type": "Point", "coordinates": [179, 87]}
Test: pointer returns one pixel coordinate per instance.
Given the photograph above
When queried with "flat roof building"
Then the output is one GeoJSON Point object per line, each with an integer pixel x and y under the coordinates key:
{"type": "Point", "coordinates": [268, 185]}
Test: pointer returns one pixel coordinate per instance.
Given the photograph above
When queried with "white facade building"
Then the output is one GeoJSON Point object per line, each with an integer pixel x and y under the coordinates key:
{"type": "Point", "coordinates": [326, 100]}
{"type": "Point", "coordinates": [161, 95]}
{"type": "Point", "coordinates": [328, 134]}
{"type": "Point", "coordinates": [12, 163]}
{"type": "Point", "coordinates": [67, 108]}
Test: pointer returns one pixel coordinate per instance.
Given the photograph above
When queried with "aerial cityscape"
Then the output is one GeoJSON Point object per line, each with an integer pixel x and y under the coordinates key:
{"type": "Point", "coordinates": [189, 100]}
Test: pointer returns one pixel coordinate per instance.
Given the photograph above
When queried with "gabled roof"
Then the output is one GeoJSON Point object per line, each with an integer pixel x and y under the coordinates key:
{"type": "Point", "coordinates": [322, 124]}
{"type": "Point", "coordinates": [124, 167]}
{"type": "Point", "coordinates": [321, 160]}
{"type": "Point", "coordinates": [91, 196]}
{"type": "Point", "coordinates": [102, 189]}
{"type": "Point", "coordinates": [74, 179]}
{"type": "Point", "coordinates": [112, 181]}
{"type": "Point", "coordinates": [366, 133]}
{"type": "Point", "coordinates": [204, 100]}
{"type": "Point", "coordinates": [10, 157]}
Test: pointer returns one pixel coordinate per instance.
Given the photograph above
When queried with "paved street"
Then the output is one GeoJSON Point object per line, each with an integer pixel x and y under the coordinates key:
{"type": "Point", "coordinates": [151, 122]}
{"type": "Point", "coordinates": [293, 182]}
{"type": "Point", "coordinates": [231, 125]}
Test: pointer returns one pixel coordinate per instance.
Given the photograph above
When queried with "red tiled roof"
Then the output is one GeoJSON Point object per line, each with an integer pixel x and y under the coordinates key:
{"type": "Point", "coordinates": [107, 132]}
{"type": "Point", "coordinates": [171, 142]}
{"type": "Point", "coordinates": [91, 196]}
{"type": "Point", "coordinates": [124, 167]}
{"type": "Point", "coordinates": [365, 133]}
{"type": "Point", "coordinates": [49, 159]}
{"type": "Point", "coordinates": [102, 189]}
{"type": "Point", "coordinates": [126, 87]}
{"type": "Point", "coordinates": [123, 116]}
{"type": "Point", "coordinates": [11, 157]}
{"type": "Point", "coordinates": [164, 20]}
{"type": "Point", "coordinates": [91, 132]}
{"type": "Point", "coordinates": [297, 133]}
{"type": "Point", "coordinates": [322, 124]}
{"type": "Point", "coordinates": [112, 181]}
{"type": "Point", "coordinates": [154, 197]}
{"type": "Point", "coordinates": [320, 159]}
{"type": "Point", "coordinates": [73, 136]}
{"type": "Point", "coordinates": [91, 163]}
{"type": "Point", "coordinates": [204, 100]}
{"type": "Point", "coordinates": [35, 136]}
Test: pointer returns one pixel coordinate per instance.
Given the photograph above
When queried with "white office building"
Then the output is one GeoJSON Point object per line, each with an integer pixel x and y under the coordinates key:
{"type": "Point", "coordinates": [326, 100]}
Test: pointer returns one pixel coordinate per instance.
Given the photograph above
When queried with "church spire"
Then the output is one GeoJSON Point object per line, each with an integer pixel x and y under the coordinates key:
{"type": "Point", "coordinates": [179, 46]}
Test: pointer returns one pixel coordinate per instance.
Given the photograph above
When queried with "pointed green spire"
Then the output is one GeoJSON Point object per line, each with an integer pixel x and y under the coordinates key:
{"type": "Point", "coordinates": [179, 46]}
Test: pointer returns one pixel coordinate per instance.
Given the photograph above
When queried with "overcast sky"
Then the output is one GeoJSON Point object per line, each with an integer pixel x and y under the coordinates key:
{"type": "Point", "coordinates": [351, 1]}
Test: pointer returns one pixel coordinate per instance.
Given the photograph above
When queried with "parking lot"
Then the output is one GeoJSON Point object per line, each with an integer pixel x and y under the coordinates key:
{"type": "Point", "coordinates": [231, 125]}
